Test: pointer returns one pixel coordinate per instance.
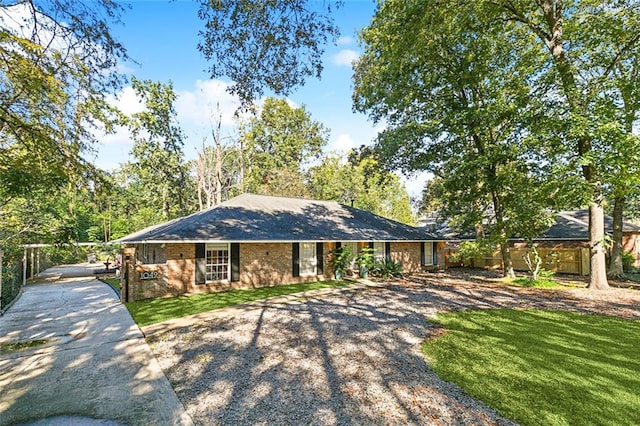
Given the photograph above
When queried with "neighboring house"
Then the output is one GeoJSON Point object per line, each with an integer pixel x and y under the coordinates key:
{"type": "Point", "coordinates": [564, 245]}
{"type": "Point", "coordinates": [256, 241]}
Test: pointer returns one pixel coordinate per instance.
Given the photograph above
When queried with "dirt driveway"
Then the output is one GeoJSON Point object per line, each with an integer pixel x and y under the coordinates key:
{"type": "Point", "coordinates": [352, 357]}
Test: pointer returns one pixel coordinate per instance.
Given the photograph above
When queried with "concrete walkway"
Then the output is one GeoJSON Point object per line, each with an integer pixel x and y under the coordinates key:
{"type": "Point", "coordinates": [95, 367]}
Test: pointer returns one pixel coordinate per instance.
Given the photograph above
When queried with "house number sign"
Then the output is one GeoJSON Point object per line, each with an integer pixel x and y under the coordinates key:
{"type": "Point", "coordinates": [148, 275]}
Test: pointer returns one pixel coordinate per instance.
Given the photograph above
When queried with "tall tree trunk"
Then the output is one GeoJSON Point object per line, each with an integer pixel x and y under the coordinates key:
{"type": "Point", "coordinates": [615, 266]}
{"type": "Point", "coordinates": [553, 13]}
{"type": "Point", "coordinates": [598, 276]}
{"type": "Point", "coordinates": [506, 260]}
{"type": "Point", "coordinates": [507, 264]}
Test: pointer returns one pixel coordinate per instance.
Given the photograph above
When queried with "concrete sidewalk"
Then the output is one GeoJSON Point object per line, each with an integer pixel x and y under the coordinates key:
{"type": "Point", "coordinates": [95, 367]}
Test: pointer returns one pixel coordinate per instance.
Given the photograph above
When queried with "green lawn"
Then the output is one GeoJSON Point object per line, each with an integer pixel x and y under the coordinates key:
{"type": "Point", "coordinates": [539, 283]}
{"type": "Point", "coordinates": [114, 282]}
{"type": "Point", "coordinates": [147, 312]}
{"type": "Point", "coordinates": [543, 367]}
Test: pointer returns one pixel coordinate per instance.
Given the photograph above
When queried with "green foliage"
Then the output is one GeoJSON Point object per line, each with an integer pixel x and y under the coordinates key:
{"type": "Point", "coordinates": [146, 312]}
{"type": "Point", "coordinates": [341, 258]}
{"type": "Point", "coordinates": [278, 143]}
{"type": "Point", "coordinates": [363, 183]}
{"type": "Point", "coordinates": [259, 45]}
{"type": "Point", "coordinates": [468, 250]}
{"type": "Point", "coordinates": [58, 60]}
{"type": "Point", "coordinates": [366, 258]}
{"type": "Point", "coordinates": [462, 120]}
{"type": "Point", "coordinates": [66, 254]}
{"type": "Point", "coordinates": [530, 365]}
{"type": "Point", "coordinates": [387, 269]}
{"type": "Point", "coordinates": [113, 282]}
{"type": "Point", "coordinates": [627, 261]}
{"type": "Point", "coordinates": [159, 172]}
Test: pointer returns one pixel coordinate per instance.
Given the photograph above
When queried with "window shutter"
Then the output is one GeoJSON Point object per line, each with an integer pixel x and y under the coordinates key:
{"type": "Point", "coordinates": [296, 259]}
{"type": "Point", "coordinates": [235, 261]}
{"type": "Point", "coordinates": [371, 244]}
{"type": "Point", "coordinates": [201, 263]}
{"type": "Point", "coordinates": [338, 244]}
{"type": "Point", "coordinates": [319, 259]}
{"type": "Point", "coordinates": [435, 253]}
{"type": "Point", "coordinates": [423, 254]}
{"type": "Point", "coordinates": [387, 251]}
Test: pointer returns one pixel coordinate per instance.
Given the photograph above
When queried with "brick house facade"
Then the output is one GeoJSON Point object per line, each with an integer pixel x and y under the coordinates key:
{"type": "Point", "coordinates": [241, 256]}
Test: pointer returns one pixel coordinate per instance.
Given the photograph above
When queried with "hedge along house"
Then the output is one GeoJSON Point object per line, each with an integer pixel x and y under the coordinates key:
{"type": "Point", "coordinates": [256, 241]}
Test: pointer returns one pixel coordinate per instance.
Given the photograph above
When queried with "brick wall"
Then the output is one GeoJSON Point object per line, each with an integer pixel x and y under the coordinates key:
{"type": "Point", "coordinates": [261, 265]}
{"type": "Point", "coordinates": [150, 281]}
{"type": "Point", "coordinates": [409, 254]}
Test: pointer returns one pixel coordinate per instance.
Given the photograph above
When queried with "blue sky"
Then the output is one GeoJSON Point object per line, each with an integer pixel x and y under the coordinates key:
{"type": "Point", "coordinates": [162, 37]}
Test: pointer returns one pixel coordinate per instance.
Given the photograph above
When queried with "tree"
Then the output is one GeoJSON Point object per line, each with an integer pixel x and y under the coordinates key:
{"type": "Point", "coordinates": [278, 142]}
{"type": "Point", "coordinates": [559, 52]}
{"type": "Point", "coordinates": [364, 185]}
{"type": "Point", "coordinates": [444, 84]}
{"type": "Point", "coordinates": [257, 44]}
{"type": "Point", "coordinates": [58, 60]}
{"type": "Point", "coordinates": [219, 170]}
{"type": "Point", "coordinates": [583, 43]}
{"type": "Point", "coordinates": [159, 168]}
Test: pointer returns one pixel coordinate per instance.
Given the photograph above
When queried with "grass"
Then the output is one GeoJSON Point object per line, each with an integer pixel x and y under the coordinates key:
{"type": "Point", "coordinates": [19, 346]}
{"type": "Point", "coordinates": [543, 367]}
{"type": "Point", "coordinates": [539, 283]}
{"type": "Point", "coordinates": [146, 312]}
{"type": "Point", "coordinates": [114, 282]}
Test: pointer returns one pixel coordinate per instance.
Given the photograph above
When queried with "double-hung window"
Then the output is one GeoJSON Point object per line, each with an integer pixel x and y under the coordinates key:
{"type": "Point", "coordinates": [217, 258]}
{"type": "Point", "coordinates": [308, 260]}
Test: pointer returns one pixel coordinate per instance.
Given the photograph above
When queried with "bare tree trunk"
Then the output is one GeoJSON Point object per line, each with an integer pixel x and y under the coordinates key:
{"type": "Point", "coordinates": [218, 172]}
{"type": "Point", "coordinates": [200, 178]}
{"type": "Point", "coordinates": [615, 267]}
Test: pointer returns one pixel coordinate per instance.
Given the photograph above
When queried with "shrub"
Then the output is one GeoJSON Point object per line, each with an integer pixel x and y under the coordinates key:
{"type": "Point", "coordinates": [387, 269]}
{"type": "Point", "coordinates": [627, 261]}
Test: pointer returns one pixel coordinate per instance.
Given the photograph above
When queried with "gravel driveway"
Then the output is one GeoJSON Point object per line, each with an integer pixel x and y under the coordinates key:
{"type": "Point", "coordinates": [352, 357]}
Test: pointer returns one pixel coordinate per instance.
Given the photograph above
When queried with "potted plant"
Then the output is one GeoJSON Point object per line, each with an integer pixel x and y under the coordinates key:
{"type": "Point", "coordinates": [365, 260]}
{"type": "Point", "coordinates": [340, 259]}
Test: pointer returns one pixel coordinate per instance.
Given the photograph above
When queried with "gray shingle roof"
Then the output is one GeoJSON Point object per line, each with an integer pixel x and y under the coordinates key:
{"type": "Point", "coordinates": [569, 225]}
{"type": "Point", "coordinates": [574, 225]}
{"type": "Point", "coordinates": [251, 217]}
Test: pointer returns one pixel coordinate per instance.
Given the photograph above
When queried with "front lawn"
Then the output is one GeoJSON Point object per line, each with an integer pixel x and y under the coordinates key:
{"type": "Point", "coordinates": [543, 367]}
{"type": "Point", "coordinates": [113, 282]}
{"type": "Point", "coordinates": [146, 312]}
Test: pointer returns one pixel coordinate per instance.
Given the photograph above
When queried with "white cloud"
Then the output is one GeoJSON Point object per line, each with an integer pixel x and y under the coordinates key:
{"type": "Point", "coordinates": [345, 57]}
{"type": "Point", "coordinates": [126, 101]}
{"type": "Point", "coordinates": [203, 105]}
{"type": "Point", "coordinates": [342, 144]}
{"type": "Point", "coordinates": [345, 40]}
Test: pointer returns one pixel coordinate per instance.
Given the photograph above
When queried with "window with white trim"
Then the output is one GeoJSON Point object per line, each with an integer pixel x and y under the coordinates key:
{"type": "Point", "coordinates": [217, 261]}
{"type": "Point", "coordinates": [308, 260]}
{"type": "Point", "coordinates": [428, 253]}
